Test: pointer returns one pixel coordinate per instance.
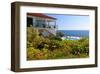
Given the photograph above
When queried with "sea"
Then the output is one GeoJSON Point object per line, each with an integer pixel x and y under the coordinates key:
{"type": "Point", "coordinates": [79, 33]}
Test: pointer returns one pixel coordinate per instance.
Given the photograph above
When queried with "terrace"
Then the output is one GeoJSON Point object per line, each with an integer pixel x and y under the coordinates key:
{"type": "Point", "coordinates": [39, 20]}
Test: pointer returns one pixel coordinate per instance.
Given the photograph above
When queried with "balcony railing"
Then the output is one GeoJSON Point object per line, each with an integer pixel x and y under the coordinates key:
{"type": "Point", "coordinates": [50, 26]}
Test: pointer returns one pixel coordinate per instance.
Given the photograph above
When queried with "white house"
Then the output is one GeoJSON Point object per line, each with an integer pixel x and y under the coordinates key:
{"type": "Point", "coordinates": [43, 22]}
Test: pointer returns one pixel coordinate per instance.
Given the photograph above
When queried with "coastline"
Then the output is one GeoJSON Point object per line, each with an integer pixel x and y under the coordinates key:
{"type": "Point", "coordinates": [71, 37]}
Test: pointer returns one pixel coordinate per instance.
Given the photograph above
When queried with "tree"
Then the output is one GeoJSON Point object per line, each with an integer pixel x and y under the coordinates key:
{"type": "Point", "coordinates": [60, 34]}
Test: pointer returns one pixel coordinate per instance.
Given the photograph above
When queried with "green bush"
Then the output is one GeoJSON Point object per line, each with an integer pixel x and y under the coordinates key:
{"type": "Point", "coordinates": [33, 38]}
{"type": "Point", "coordinates": [60, 34]}
{"type": "Point", "coordinates": [54, 38]}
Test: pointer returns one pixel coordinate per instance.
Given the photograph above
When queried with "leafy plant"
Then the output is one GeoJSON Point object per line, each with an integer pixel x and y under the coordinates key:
{"type": "Point", "coordinates": [60, 34]}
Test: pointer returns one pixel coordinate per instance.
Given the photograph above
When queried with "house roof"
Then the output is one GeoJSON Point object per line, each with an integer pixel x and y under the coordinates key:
{"type": "Point", "coordinates": [40, 15]}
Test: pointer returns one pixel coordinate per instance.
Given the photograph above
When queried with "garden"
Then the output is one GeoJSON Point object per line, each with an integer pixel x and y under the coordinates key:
{"type": "Point", "coordinates": [53, 47]}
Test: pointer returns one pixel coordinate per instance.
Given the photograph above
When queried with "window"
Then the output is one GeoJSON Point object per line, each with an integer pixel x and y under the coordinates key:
{"type": "Point", "coordinates": [40, 23]}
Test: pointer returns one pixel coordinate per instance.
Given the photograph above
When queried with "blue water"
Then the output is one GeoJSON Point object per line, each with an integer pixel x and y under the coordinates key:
{"type": "Point", "coordinates": [80, 33]}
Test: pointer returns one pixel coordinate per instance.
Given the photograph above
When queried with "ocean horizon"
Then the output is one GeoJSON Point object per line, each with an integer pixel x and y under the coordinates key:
{"type": "Point", "coordinates": [80, 33]}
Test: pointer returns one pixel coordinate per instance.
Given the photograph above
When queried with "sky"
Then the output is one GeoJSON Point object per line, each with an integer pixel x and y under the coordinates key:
{"type": "Point", "coordinates": [71, 22]}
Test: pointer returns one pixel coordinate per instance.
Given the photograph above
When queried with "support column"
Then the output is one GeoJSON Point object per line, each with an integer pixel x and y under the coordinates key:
{"type": "Point", "coordinates": [55, 25]}
{"type": "Point", "coordinates": [46, 23]}
{"type": "Point", "coordinates": [33, 22]}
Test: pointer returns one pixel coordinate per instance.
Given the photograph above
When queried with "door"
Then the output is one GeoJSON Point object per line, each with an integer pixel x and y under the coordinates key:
{"type": "Point", "coordinates": [29, 21]}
